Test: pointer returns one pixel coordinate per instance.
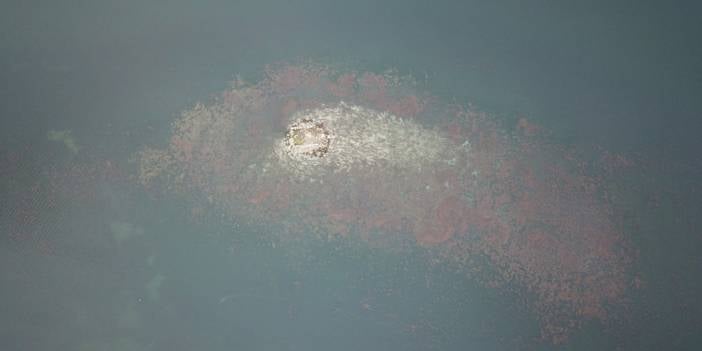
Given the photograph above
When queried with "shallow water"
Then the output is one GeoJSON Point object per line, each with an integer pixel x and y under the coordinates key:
{"type": "Point", "coordinates": [92, 260]}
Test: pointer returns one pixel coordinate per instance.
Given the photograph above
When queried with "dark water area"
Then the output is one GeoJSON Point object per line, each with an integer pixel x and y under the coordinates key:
{"type": "Point", "coordinates": [90, 260]}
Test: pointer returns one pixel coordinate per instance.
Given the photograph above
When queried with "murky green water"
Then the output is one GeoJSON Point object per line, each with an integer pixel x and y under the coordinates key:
{"type": "Point", "coordinates": [90, 261]}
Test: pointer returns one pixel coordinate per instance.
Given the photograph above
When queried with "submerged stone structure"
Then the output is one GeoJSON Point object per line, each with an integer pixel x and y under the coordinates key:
{"type": "Point", "coordinates": [318, 154]}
